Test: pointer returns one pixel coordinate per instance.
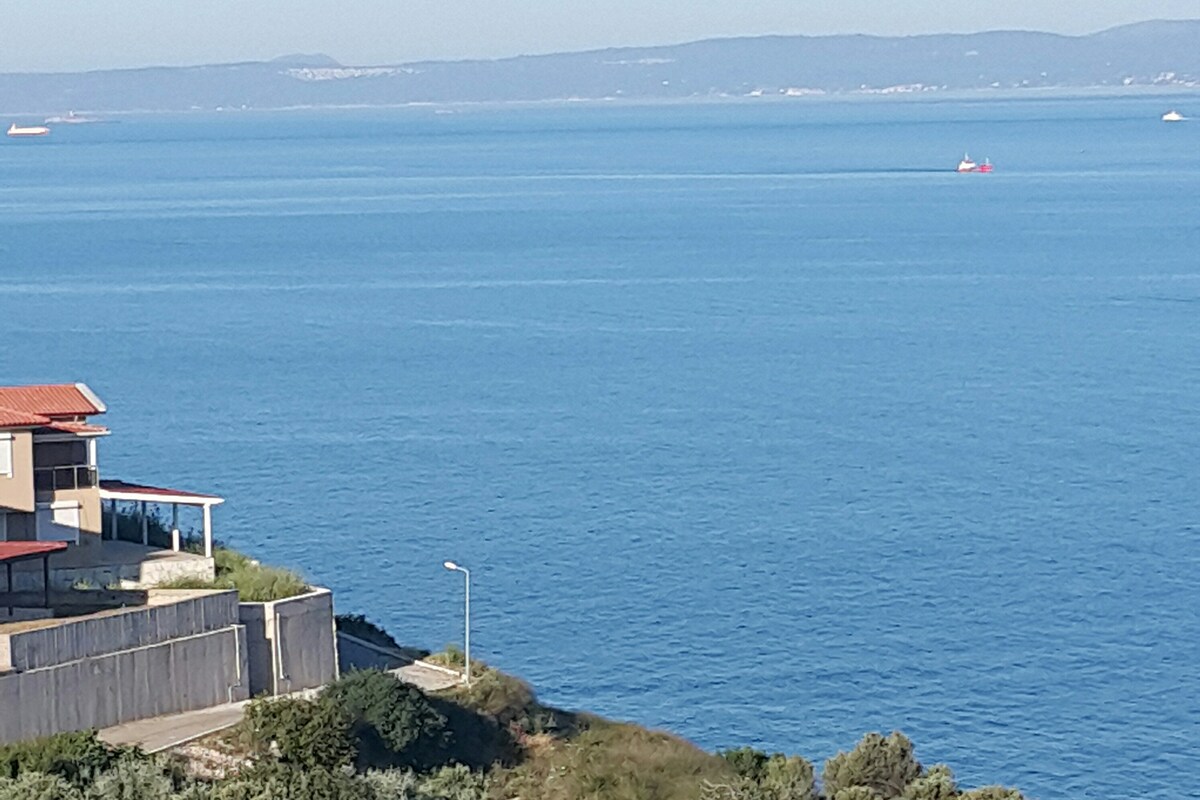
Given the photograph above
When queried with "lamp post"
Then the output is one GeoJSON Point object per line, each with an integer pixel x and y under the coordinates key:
{"type": "Point", "coordinates": [450, 565]}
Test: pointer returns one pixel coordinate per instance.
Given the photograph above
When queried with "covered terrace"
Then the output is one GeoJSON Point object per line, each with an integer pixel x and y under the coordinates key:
{"type": "Point", "coordinates": [114, 492]}
{"type": "Point", "coordinates": [13, 553]}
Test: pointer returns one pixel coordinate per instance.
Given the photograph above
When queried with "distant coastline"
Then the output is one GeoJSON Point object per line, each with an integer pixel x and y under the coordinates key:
{"type": "Point", "coordinates": [1151, 57]}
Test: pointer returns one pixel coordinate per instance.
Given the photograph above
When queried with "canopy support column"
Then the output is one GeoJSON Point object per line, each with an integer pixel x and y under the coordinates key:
{"type": "Point", "coordinates": [112, 520]}
{"type": "Point", "coordinates": [208, 544]}
{"type": "Point", "coordinates": [175, 527]}
{"type": "Point", "coordinates": [145, 523]}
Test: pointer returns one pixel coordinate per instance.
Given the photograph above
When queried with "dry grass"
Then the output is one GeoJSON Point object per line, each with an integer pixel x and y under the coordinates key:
{"type": "Point", "coordinates": [254, 583]}
{"type": "Point", "coordinates": [610, 761]}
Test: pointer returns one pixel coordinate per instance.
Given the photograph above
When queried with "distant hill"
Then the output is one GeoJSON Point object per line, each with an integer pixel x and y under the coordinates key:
{"type": "Point", "coordinates": [1165, 54]}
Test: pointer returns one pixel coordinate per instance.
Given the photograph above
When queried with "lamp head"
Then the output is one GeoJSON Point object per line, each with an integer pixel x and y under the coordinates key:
{"type": "Point", "coordinates": [450, 565]}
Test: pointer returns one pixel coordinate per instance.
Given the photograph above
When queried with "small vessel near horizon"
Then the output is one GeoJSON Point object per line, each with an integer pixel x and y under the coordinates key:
{"type": "Point", "coordinates": [31, 130]}
{"type": "Point", "coordinates": [1173, 116]}
{"type": "Point", "coordinates": [71, 119]}
{"type": "Point", "coordinates": [967, 165]}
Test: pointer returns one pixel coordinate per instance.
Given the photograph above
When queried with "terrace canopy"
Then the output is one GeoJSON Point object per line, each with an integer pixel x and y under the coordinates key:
{"type": "Point", "coordinates": [120, 491]}
{"type": "Point", "coordinates": [15, 552]}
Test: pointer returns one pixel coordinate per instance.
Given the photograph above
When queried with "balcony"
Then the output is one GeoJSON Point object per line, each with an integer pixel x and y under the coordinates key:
{"type": "Point", "coordinates": [71, 476]}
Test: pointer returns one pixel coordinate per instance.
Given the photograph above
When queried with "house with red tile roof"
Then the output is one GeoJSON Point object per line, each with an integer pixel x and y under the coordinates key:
{"type": "Point", "coordinates": [51, 491]}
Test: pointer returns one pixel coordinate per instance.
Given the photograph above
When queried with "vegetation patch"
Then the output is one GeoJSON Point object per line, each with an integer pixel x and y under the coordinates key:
{"type": "Point", "coordinates": [254, 582]}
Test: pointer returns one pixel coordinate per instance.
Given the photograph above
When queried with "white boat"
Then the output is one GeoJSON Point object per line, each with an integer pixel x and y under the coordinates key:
{"type": "Point", "coordinates": [1173, 116]}
{"type": "Point", "coordinates": [70, 119]}
{"type": "Point", "coordinates": [34, 130]}
{"type": "Point", "coordinates": [967, 165]}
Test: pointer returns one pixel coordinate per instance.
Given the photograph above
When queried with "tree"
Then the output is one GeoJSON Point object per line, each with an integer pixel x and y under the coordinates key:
{"type": "Point", "coordinates": [394, 721]}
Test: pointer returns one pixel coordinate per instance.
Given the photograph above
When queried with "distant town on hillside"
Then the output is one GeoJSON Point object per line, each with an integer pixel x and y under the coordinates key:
{"type": "Point", "coordinates": [1161, 54]}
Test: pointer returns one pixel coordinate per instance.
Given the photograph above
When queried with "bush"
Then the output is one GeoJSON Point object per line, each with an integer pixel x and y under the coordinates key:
{"type": "Point", "coordinates": [38, 786]}
{"type": "Point", "coordinates": [393, 721]}
{"type": "Point", "coordinates": [937, 784]}
{"type": "Point", "coordinates": [305, 733]}
{"type": "Point", "coordinates": [855, 793]}
{"type": "Point", "coordinates": [992, 793]}
{"type": "Point", "coordinates": [788, 778]}
{"type": "Point", "coordinates": [77, 757]}
{"type": "Point", "coordinates": [746, 762]}
{"type": "Point", "coordinates": [288, 782]}
{"type": "Point", "coordinates": [454, 783]}
{"type": "Point", "coordinates": [132, 779]}
{"type": "Point", "coordinates": [502, 697]}
{"type": "Point", "coordinates": [394, 784]}
{"type": "Point", "coordinates": [883, 765]}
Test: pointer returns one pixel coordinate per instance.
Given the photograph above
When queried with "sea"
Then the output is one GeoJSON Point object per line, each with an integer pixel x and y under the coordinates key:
{"type": "Point", "coordinates": [752, 420]}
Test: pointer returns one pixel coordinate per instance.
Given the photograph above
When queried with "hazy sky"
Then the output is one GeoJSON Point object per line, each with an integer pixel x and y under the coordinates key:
{"type": "Point", "coordinates": [38, 35]}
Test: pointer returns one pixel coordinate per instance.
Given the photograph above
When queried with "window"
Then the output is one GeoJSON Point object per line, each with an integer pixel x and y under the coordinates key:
{"type": "Point", "coordinates": [3, 527]}
{"type": "Point", "coordinates": [58, 522]}
{"type": "Point", "coordinates": [6, 455]}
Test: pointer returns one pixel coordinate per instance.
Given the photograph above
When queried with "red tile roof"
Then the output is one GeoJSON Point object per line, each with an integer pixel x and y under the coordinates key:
{"type": "Point", "coordinates": [30, 406]}
{"type": "Point", "coordinates": [11, 418]}
{"type": "Point", "coordinates": [19, 551]}
{"type": "Point", "coordinates": [58, 400]}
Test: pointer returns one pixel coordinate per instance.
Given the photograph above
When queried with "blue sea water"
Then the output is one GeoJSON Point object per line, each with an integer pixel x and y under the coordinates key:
{"type": "Point", "coordinates": [754, 422]}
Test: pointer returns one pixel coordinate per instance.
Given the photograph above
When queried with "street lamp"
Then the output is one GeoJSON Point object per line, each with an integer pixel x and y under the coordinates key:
{"type": "Point", "coordinates": [450, 565]}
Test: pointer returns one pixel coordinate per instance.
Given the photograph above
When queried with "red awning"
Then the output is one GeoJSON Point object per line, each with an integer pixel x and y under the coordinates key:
{"type": "Point", "coordinates": [121, 490]}
{"type": "Point", "coordinates": [21, 551]}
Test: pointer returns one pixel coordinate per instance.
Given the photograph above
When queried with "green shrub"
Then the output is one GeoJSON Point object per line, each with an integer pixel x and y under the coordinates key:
{"type": "Point", "coordinates": [992, 793]}
{"type": "Point", "coordinates": [305, 733]}
{"type": "Point", "coordinates": [454, 783]}
{"type": "Point", "coordinates": [788, 778]}
{"type": "Point", "coordinates": [936, 784]}
{"type": "Point", "coordinates": [394, 784]}
{"type": "Point", "coordinates": [133, 779]}
{"type": "Point", "coordinates": [38, 786]}
{"type": "Point", "coordinates": [746, 762]}
{"type": "Point", "coordinates": [883, 764]}
{"type": "Point", "coordinates": [77, 757]}
{"type": "Point", "coordinates": [394, 721]}
{"type": "Point", "coordinates": [502, 697]}
{"type": "Point", "coordinates": [855, 793]}
{"type": "Point", "coordinates": [775, 777]}
{"type": "Point", "coordinates": [288, 782]}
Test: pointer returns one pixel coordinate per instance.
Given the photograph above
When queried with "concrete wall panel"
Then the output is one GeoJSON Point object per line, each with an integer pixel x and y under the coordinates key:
{"type": "Point", "coordinates": [91, 636]}
{"type": "Point", "coordinates": [97, 692]}
{"type": "Point", "coordinates": [291, 643]}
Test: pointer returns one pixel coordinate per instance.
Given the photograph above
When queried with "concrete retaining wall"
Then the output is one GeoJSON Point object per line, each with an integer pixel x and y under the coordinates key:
{"type": "Point", "coordinates": [96, 692]}
{"type": "Point", "coordinates": [184, 613]}
{"type": "Point", "coordinates": [28, 577]}
{"type": "Point", "coordinates": [291, 643]}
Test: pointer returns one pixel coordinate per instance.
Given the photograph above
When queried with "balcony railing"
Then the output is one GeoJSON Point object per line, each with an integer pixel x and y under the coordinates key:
{"type": "Point", "coordinates": [74, 476]}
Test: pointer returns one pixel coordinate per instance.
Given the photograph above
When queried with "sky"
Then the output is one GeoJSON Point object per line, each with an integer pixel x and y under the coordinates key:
{"type": "Point", "coordinates": [67, 35]}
